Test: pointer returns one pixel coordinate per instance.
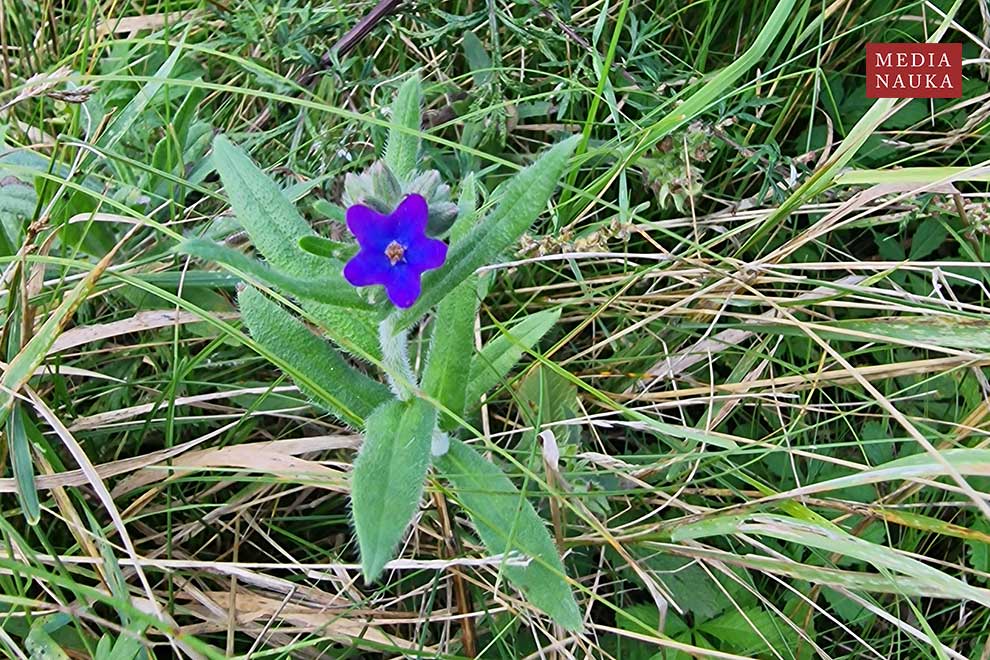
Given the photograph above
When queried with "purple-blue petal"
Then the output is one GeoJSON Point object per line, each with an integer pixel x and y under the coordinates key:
{"type": "Point", "coordinates": [403, 287]}
{"type": "Point", "coordinates": [410, 218]}
{"type": "Point", "coordinates": [367, 268]}
{"type": "Point", "coordinates": [375, 232]}
{"type": "Point", "coordinates": [372, 230]}
{"type": "Point", "coordinates": [426, 253]}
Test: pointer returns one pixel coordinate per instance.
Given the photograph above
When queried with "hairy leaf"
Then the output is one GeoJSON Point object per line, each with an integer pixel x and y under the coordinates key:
{"type": "Point", "coordinates": [499, 355]}
{"type": "Point", "coordinates": [275, 228]}
{"type": "Point", "coordinates": [507, 523]}
{"type": "Point", "coordinates": [522, 199]}
{"type": "Point", "coordinates": [403, 138]}
{"type": "Point", "coordinates": [388, 478]}
{"type": "Point", "coordinates": [318, 370]}
{"type": "Point", "coordinates": [445, 377]}
{"type": "Point", "coordinates": [271, 221]}
{"type": "Point", "coordinates": [326, 248]}
{"type": "Point", "coordinates": [330, 288]}
{"type": "Point", "coordinates": [330, 210]}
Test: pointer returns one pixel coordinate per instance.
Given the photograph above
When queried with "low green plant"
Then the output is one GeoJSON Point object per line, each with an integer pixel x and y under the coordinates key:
{"type": "Point", "coordinates": [408, 420]}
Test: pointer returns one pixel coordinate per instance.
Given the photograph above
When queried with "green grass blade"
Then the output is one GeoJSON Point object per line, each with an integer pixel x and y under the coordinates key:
{"type": "Point", "coordinates": [823, 177]}
{"type": "Point", "coordinates": [23, 465]}
{"type": "Point", "coordinates": [968, 462]}
{"type": "Point", "coordinates": [917, 331]}
{"type": "Point", "coordinates": [703, 98]}
{"type": "Point", "coordinates": [135, 108]}
{"type": "Point", "coordinates": [830, 538]}
{"type": "Point", "coordinates": [23, 366]}
{"type": "Point", "coordinates": [919, 176]}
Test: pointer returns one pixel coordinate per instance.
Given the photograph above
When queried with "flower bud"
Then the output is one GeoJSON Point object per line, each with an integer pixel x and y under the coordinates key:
{"type": "Point", "coordinates": [379, 189]}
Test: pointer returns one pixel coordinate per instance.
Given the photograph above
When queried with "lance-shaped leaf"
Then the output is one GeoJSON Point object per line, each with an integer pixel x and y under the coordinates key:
{"type": "Point", "coordinates": [275, 228]}
{"type": "Point", "coordinates": [20, 458]}
{"type": "Point", "coordinates": [270, 219]}
{"type": "Point", "coordinates": [324, 247]}
{"type": "Point", "coordinates": [508, 525]}
{"type": "Point", "coordinates": [445, 377]}
{"type": "Point", "coordinates": [833, 539]}
{"type": "Point", "coordinates": [496, 359]}
{"type": "Point", "coordinates": [403, 137]}
{"type": "Point", "coordinates": [319, 371]}
{"type": "Point", "coordinates": [388, 478]}
{"type": "Point", "coordinates": [331, 288]}
{"type": "Point", "coordinates": [521, 200]}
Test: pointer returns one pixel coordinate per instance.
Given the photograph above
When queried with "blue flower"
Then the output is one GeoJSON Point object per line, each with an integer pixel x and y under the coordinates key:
{"type": "Point", "coordinates": [395, 250]}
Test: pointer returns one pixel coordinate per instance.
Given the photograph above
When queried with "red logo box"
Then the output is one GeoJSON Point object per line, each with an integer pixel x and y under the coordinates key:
{"type": "Point", "coordinates": [913, 71]}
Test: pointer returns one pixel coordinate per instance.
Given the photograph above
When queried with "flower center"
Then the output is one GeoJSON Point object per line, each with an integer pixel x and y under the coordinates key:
{"type": "Point", "coordinates": [395, 252]}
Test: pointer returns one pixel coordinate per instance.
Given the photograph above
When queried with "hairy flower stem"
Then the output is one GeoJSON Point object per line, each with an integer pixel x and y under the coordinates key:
{"type": "Point", "coordinates": [395, 360]}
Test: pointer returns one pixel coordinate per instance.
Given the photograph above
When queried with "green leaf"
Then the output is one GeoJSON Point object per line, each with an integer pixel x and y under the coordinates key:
{"type": "Point", "coordinates": [388, 478]}
{"type": "Point", "coordinates": [939, 331]}
{"type": "Point", "coordinates": [979, 549]}
{"type": "Point", "coordinates": [125, 118]}
{"type": "Point", "coordinates": [324, 247]}
{"type": "Point", "coordinates": [275, 228]}
{"type": "Point", "coordinates": [331, 288]}
{"type": "Point", "coordinates": [845, 608]}
{"type": "Point", "coordinates": [270, 219]}
{"type": "Point", "coordinates": [929, 237]}
{"type": "Point", "coordinates": [507, 523]}
{"type": "Point", "coordinates": [545, 396]}
{"type": "Point", "coordinates": [522, 199]}
{"type": "Point", "coordinates": [757, 632]}
{"type": "Point", "coordinates": [702, 594]}
{"type": "Point", "coordinates": [479, 63]}
{"type": "Point", "coordinates": [876, 443]}
{"type": "Point", "coordinates": [403, 137]}
{"type": "Point", "coordinates": [329, 210]}
{"type": "Point", "coordinates": [832, 539]}
{"type": "Point", "coordinates": [499, 355]}
{"type": "Point", "coordinates": [125, 647]}
{"type": "Point", "coordinates": [467, 207]}
{"type": "Point", "coordinates": [21, 368]}
{"type": "Point", "coordinates": [23, 465]}
{"type": "Point", "coordinates": [318, 370]}
{"type": "Point", "coordinates": [18, 202]}
{"type": "Point", "coordinates": [445, 377]}
{"type": "Point", "coordinates": [40, 645]}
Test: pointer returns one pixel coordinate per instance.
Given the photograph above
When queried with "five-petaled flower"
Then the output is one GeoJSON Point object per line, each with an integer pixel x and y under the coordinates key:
{"type": "Point", "coordinates": [395, 250]}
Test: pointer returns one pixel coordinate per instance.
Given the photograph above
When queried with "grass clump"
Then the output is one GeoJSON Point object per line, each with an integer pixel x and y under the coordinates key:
{"type": "Point", "coordinates": [754, 419]}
